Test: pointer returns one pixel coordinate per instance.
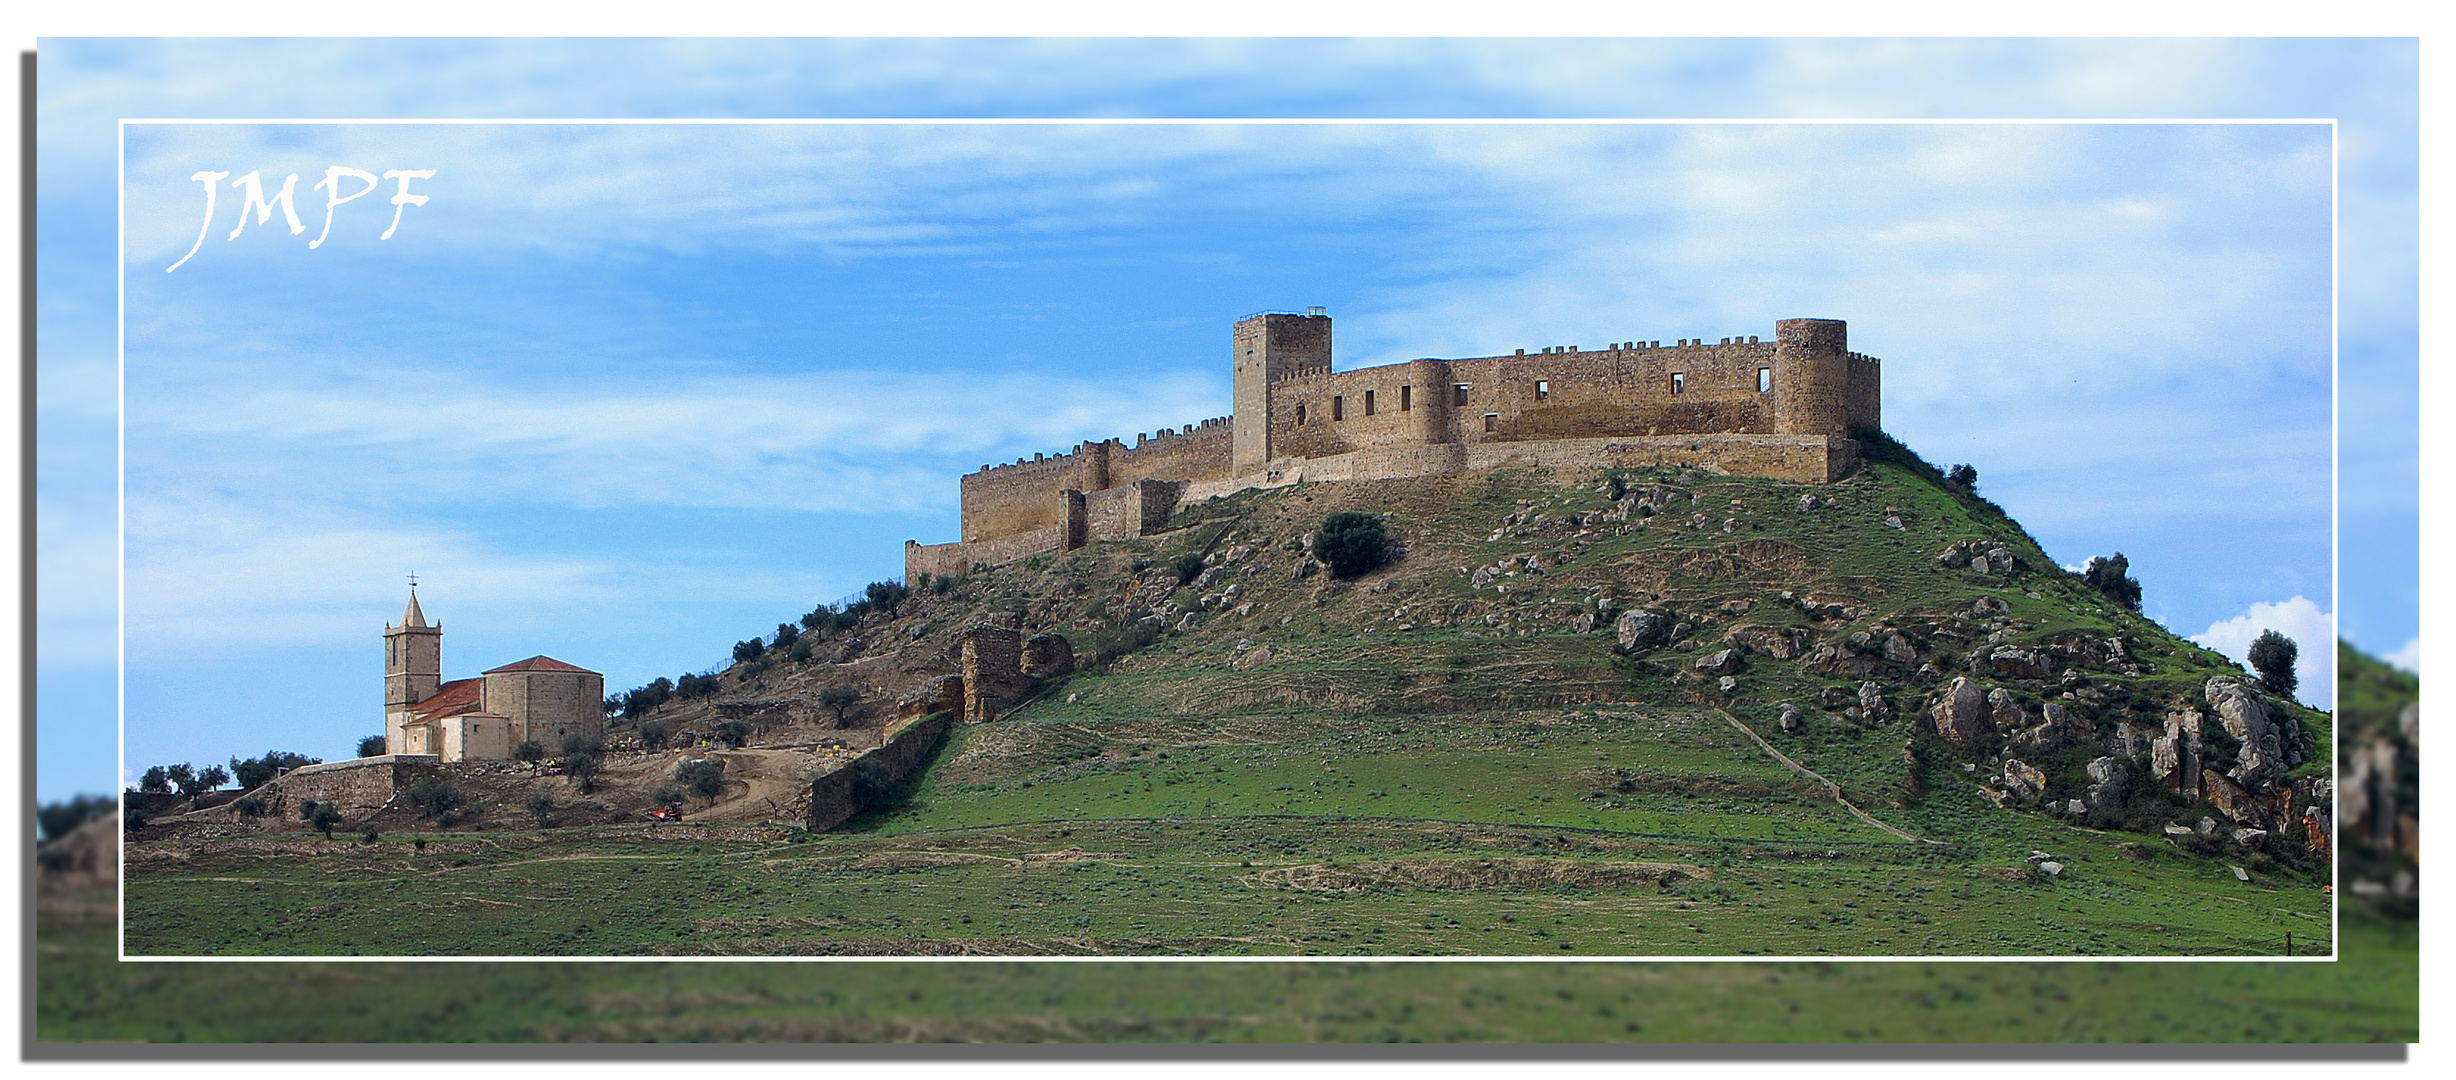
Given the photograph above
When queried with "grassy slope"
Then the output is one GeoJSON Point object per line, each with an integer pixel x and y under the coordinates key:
{"type": "Point", "coordinates": [1420, 765]}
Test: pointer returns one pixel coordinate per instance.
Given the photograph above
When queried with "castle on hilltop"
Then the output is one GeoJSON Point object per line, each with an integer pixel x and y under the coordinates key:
{"type": "Point", "coordinates": [485, 718]}
{"type": "Point", "coordinates": [1783, 408]}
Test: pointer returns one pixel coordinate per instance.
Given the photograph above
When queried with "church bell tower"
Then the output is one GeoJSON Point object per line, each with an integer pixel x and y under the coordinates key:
{"type": "Point", "coordinates": [413, 669]}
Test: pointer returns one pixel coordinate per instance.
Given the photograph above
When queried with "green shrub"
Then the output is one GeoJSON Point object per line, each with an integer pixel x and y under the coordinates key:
{"type": "Point", "coordinates": [582, 743]}
{"type": "Point", "coordinates": [746, 651]}
{"type": "Point", "coordinates": [2273, 656]}
{"type": "Point", "coordinates": [839, 699]}
{"type": "Point", "coordinates": [885, 595]}
{"type": "Point", "coordinates": [250, 807]}
{"type": "Point", "coordinates": [670, 796]}
{"type": "Point", "coordinates": [1188, 567]}
{"type": "Point", "coordinates": [253, 773]}
{"type": "Point", "coordinates": [1349, 543]}
{"type": "Point", "coordinates": [434, 796]}
{"type": "Point", "coordinates": [583, 770]}
{"type": "Point", "coordinates": [371, 746]}
{"type": "Point", "coordinates": [322, 817]}
{"type": "Point", "coordinates": [529, 750]}
{"type": "Point", "coordinates": [653, 736]}
{"type": "Point", "coordinates": [2111, 576]}
{"type": "Point", "coordinates": [732, 733]}
{"type": "Point", "coordinates": [55, 820]}
{"type": "Point", "coordinates": [540, 806]}
{"type": "Point", "coordinates": [703, 775]}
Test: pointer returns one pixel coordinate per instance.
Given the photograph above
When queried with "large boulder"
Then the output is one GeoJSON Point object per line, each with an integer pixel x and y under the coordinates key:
{"type": "Point", "coordinates": [1720, 662]}
{"type": "Point", "coordinates": [2110, 783]}
{"type": "Point", "coordinates": [2249, 720]}
{"type": "Point", "coordinates": [1640, 629]}
{"type": "Point", "coordinates": [2024, 782]}
{"type": "Point", "coordinates": [1960, 717]}
{"type": "Point", "coordinates": [1048, 656]}
{"type": "Point", "coordinates": [1783, 643]}
{"type": "Point", "coordinates": [1899, 649]}
{"type": "Point", "coordinates": [1872, 705]}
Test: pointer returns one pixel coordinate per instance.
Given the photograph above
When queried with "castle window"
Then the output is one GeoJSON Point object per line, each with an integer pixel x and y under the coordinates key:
{"type": "Point", "coordinates": [1368, 403]}
{"type": "Point", "coordinates": [1338, 407]}
{"type": "Point", "coordinates": [1491, 420]}
{"type": "Point", "coordinates": [1461, 390]}
{"type": "Point", "coordinates": [1765, 379]}
{"type": "Point", "coordinates": [1300, 414]}
{"type": "Point", "coordinates": [1407, 396]}
{"type": "Point", "coordinates": [1543, 389]}
{"type": "Point", "coordinates": [1676, 380]}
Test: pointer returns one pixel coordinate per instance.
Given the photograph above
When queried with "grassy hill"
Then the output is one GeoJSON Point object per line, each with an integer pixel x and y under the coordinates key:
{"type": "Point", "coordinates": [1464, 752]}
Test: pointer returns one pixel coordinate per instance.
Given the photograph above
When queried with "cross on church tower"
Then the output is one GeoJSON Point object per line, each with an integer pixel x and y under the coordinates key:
{"type": "Point", "coordinates": [413, 579]}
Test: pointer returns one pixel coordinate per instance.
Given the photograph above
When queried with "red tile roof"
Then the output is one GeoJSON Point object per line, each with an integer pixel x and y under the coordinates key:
{"type": "Point", "coordinates": [450, 699]}
{"type": "Point", "coordinates": [540, 663]}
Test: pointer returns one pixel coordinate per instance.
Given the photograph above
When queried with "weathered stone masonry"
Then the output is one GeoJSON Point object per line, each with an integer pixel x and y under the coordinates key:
{"type": "Point", "coordinates": [1783, 408]}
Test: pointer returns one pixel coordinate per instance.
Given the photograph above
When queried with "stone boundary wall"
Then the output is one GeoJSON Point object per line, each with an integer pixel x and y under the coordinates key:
{"type": "Point", "coordinates": [907, 744]}
{"type": "Point", "coordinates": [356, 785]}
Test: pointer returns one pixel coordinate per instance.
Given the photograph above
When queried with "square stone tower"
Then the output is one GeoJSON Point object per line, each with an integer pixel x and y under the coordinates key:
{"type": "Point", "coordinates": [413, 669]}
{"type": "Point", "coordinates": [1268, 348]}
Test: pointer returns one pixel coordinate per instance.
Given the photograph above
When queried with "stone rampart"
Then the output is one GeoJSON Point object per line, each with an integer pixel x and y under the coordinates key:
{"type": "Point", "coordinates": [841, 793]}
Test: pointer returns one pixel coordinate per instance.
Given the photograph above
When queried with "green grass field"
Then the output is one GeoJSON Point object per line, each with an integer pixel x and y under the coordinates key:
{"type": "Point", "coordinates": [2371, 994]}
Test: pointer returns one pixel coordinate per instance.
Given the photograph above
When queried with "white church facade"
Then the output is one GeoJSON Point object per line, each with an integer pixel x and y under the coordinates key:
{"type": "Point", "coordinates": [485, 718]}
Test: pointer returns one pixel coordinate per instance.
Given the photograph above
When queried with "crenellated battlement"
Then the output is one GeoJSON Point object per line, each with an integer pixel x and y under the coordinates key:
{"type": "Point", "coordinates": [1783, 406]}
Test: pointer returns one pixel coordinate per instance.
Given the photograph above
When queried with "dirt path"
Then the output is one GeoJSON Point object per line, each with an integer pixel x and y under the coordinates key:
{"type": "Point", "coordinates": [1830, 786]}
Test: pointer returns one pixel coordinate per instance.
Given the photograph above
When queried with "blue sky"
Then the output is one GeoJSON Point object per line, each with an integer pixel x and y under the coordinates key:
{"type": "Point", "coordinates": [624, 394]}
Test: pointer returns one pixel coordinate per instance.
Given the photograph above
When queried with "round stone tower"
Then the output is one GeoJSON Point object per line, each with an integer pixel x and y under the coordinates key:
{"type": "Point", "coordinates": [1812, 377]}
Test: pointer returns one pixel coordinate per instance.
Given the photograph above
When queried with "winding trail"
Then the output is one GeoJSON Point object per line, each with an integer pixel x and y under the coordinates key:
{"type": "Point", "coordinates": [1834, 788]}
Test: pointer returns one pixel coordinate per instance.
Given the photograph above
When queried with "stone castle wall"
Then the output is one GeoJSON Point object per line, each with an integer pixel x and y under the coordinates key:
{"type": "Point", "coordinates": [1782, 408]}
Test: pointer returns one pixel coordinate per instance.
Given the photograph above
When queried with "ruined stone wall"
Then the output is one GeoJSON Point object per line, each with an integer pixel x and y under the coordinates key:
{"type": "Point", "coordinates": [993, 671]}
{"type": "Point", "coordinates": [357, 785]}
{"type": "Point", "coordinates": [955, 560]}
{"type": "Point", "coordinates": [1122, 513]}
{"type": "Point", "coordinates": [834, 796]}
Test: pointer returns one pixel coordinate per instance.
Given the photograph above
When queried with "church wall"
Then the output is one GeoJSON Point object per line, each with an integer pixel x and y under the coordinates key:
{"type": "Point", "coordinates": [548, 705]}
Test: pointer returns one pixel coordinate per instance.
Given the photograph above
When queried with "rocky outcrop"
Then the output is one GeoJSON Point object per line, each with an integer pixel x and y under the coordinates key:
{"type": "Point", "coordinates": [2232, 799]}
{"type": "Point", "coordinates": [1961, 717]}
{"type": "Point", "coordinates": [2264, 746]}
{"type": "Point", "coordinates": [1980, 556]}
{"type": "Point", "coordinates": [1873, 709]}
{"type": "Point", "coordinates": [1720, 662]}
{"type": "Point", "coordinates": [1784, 643]}
{"type": "Point", "coordinates": [2017, 663]}
{"type": "Point", "coordinates": [2110, 783]}
{"type": "Point", "coordinates": [2060, 728]}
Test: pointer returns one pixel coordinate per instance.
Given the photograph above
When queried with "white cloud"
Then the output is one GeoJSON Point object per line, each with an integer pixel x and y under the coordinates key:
{"type": "Point", "coordinates": [2314, 633]}
{"type": "Point", "coordinates": [2408, 658]}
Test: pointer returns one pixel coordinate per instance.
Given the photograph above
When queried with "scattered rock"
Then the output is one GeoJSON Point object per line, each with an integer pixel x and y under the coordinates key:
{"type": "Point", "coordinates": [2248, 837]}
{"type": "Point", "coordinates": [2207, 827]}
{"type": "Point", "coordinates": [2173, 829]}
{"type": "Point", "coordinates": [1899, 649]}
{"type": "Point", "coordinates": [1728, 683]}
{"type": "Point", "coordinates": [2051, 868]}
{"type": "Point", "coordinates": [1790, 712]}
{"type": "Point", "coordinates": [1254, 658]}
{"type": "Point", "coordinates": [1720, 661]}
{"type": "Point", "coordinates": [2019, 663]}
{"type": "Point", "coordinates": [1989, 607]}
{"type": "Point", "coordinates": [2240, 874]}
